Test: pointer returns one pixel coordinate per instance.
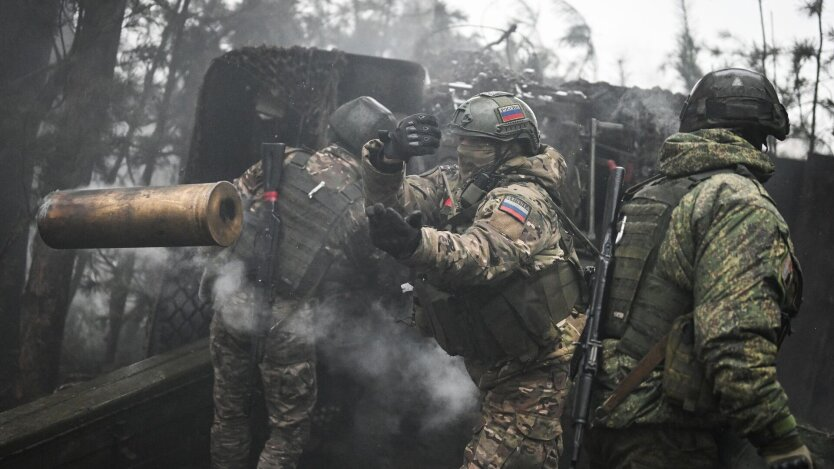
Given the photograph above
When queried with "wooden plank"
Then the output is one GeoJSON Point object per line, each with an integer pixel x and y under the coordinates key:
{"type": "Point", "coordinates": [155, 411]}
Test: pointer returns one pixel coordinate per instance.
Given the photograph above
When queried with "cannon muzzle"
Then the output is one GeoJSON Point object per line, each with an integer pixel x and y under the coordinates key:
{"type": "Point", "coordinates": [132, 217]}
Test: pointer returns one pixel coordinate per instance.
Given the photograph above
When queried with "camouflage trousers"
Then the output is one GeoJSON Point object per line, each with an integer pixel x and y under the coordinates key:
{"type": "Point", "coordinates": [287, 369]}
{"type": "Point", "coordinates": [650, 447]}
{"type": "Point", "coordinates": [519, 426]}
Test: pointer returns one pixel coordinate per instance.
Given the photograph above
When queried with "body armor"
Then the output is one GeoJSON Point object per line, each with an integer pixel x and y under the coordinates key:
{"type": "Point", "coordinates": [511, 320]}
{"type": "Point", "coordinates": [312, 218]}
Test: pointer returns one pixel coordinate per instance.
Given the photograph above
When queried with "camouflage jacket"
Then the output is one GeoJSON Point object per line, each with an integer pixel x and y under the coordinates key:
{"type": "Point", "coordinates": [496, 243]}
{"type": "Point", "coordinates": [355, 261]}
{"type": "Point", "coordinates": [728, 245]}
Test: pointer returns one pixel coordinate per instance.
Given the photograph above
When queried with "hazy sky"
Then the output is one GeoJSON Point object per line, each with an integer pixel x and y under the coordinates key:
{"type": "Point", "coordinates": [642, 32]}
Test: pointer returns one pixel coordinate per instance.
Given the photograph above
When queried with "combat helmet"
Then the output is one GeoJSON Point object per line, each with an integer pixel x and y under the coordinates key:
{"type": "Point", "coordinates": [735, 98]}
{"type": "Point", "coordinates": [359, 120]}
{"type": "Point", "coordinates": [497, 115]}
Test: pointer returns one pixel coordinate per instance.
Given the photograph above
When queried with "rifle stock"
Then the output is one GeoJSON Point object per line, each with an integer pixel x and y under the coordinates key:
{"type": "Point", "coordinates": [590, 346]}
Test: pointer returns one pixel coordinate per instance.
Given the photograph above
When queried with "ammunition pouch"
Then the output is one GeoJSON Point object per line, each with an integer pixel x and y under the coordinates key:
{"type": "Point", "coordinates": [684, 380]}
{"type": "Point", "coordinates": [510, 320]}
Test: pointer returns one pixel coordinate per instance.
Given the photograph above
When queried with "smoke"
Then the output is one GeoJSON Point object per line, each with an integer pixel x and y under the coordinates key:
{"type": "Point", "coordinates": [402, 370]}
{"type": "Point", "coordinates": [380, 374]}
{"type": "Point", "coordinates": [89, 318]}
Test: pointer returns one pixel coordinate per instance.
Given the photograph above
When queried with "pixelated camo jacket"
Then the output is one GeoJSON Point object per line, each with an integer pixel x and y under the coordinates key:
{"type": "Point", "coordinates": [727, 244]}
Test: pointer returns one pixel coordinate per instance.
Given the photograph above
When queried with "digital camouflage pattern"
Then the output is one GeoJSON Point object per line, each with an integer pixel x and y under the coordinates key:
{"type": "Point", "coordinates": [287, 365]}
{"type": "Point", "coordinates": [651, 446]}
{"type": "Point", "coordinates": [522, 402]}
{"type": "Point", "coordinates": [728, 245]}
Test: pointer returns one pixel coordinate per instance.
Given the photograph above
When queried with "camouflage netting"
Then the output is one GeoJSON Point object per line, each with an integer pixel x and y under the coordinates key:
{"type": "Point", "coordinates": [302, 79]}
{"type": "Point", "coordinates": [259, 94]}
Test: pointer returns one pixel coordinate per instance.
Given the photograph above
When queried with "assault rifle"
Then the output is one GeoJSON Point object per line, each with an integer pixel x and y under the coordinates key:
{"type": "Point", "coordinates": [589, 346]}
{"type": "Point", "coordinates": [272, 164]}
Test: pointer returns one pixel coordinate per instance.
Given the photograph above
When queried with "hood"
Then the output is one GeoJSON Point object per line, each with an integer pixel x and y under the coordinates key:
{"type": "Point", "coordinates": [708, 149]}
{"type": "Point", "coordinates": [547, 168]}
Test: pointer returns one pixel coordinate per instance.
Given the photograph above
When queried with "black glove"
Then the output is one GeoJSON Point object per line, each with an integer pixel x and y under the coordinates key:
{"type": "Point", "coordinates": [417, 134]}
{"type": "Point", "coordinates": [787, 453]}
{"type": "Point", "coordinates": [392, 233]}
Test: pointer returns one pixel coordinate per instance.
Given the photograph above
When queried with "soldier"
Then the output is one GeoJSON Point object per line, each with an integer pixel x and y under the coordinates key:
{"type": "Point", "coordinates": [323, 251]}
{"type": "Point", "coordinates": [705, 283]}
{"type": "Point", "coordinates": [496, 276]}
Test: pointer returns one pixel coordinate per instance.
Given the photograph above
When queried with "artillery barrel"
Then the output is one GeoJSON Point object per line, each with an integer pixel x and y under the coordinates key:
{"type": "Point", "coordinates": [184, 215]}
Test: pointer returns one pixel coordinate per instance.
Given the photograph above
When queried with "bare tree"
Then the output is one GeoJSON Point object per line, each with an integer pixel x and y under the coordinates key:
{"type": "Point", "coordinates": [27, 29]}
{"type": "Point", "coordinates": [82, 118]}
{"type": "Point", "coordinates": [686, 63]}
{"type": "Point", "coordinates": [814, 8]}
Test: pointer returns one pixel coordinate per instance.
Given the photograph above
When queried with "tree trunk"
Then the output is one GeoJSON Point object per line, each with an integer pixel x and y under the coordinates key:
{"type": "Point", "coordinates": [27, 29]}
{"type": "Point", "coordinates": [119, 291]}
{"type": "Point", "coordinates": [80, 126]}
{"type": "Point", "coordinates": [160, 131]}
{"type": "Point", "coordinates": [124, 272]}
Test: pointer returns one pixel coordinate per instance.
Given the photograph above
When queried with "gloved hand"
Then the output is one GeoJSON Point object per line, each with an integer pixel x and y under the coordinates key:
{"type": "Point", "coordinates": [392, 233]}
{"type": "Point", "coordinates": [417, 134]}
{"type": "Point", "coordinates": [797, 458]}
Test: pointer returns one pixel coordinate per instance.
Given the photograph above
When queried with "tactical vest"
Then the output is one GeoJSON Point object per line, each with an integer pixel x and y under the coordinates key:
{"type": "Point", "coordinates": [511, 319]}
{"type": "Point", "coordinates": [644, 308]}
{"type": "Point", "coordinates": [312, 216]}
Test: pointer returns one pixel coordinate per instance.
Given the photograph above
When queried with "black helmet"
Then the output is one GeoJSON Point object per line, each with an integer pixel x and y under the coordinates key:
{"type": "Point", "coordinates": [497, 115]}
{"type": "Point", "coordinates": [735, 98]}
{"type": "Point", "coordinates": [359, 120]}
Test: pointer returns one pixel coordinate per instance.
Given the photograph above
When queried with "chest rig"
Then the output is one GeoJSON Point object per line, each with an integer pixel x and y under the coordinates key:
{"type": "Point", "coordinates": [312, 218]}
{"type": "Point", "coordinates": [514, 318]}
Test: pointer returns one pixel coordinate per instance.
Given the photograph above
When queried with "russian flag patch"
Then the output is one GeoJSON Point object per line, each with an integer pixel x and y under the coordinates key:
{"type": "Point", "coordinates": [515, 207]}
{"type": "Point", "coordinates": [511, 113]}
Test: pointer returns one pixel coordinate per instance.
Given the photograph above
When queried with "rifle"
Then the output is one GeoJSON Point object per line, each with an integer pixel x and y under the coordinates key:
{"type": "Point", "coordinates": [589, 345]}
{"type": "Point", "coordinates": [272, 164]}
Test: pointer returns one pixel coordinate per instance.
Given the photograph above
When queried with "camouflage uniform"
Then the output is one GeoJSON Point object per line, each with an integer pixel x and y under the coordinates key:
{"type": "Point", "coordinates": [728, 250]}
{"type": "Point", "coordinates": [522, 397]}
{"type": "Point", "coordinates": [287, 364]}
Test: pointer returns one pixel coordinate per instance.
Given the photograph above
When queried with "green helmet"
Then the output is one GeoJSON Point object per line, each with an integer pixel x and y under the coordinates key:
{"type": "Point", "coordinates": [497, 115]}
{"type": "Point", "coordinates": [359, 120]}
{"type": "Point", "coordinates": [735, 98]}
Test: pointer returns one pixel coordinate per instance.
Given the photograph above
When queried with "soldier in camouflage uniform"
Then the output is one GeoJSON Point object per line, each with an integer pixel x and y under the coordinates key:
{"type": "Point", "coordinates": [704, 285]}
{"type": "Point", "coordinates": [496, 276]}
{"type": "Point", "coordinates": [323, 252]}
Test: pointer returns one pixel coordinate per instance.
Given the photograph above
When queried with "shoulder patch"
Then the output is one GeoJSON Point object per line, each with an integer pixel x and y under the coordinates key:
{"type": "Point", "coordinates": [515, 207]}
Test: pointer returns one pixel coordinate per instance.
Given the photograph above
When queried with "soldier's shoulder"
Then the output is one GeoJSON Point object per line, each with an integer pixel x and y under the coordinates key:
{"type": "Point", "coordinates": [332, 158]}
{"type": "Point", "coordinates": [447, 170]}
{"type": "Point", "coordinates": [524, 198]}
{"type": "Point", "coordinates": [529, 190]}
{"type": "Point", "coordinates": [734, 194]}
